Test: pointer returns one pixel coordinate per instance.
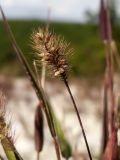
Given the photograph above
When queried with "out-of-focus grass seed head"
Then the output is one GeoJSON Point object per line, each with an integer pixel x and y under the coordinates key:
{"type": "Point", "coordinates": [3, 125]}
{"type": "Point", "coordinates": [51, 49]}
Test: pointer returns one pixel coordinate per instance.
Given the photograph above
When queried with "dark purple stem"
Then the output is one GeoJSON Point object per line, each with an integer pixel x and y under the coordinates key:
{"type": "Point", "coordinates": [77, 112]}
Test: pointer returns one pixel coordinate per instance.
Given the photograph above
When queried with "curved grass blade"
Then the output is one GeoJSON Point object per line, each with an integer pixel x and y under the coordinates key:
{"type": "Point", "coordinates": [105, 114]}
{"type": "Point", "coordinates": [66, 150]}
{"type": "Point", "coordinates": [38, 89]}
{"type": "Point", "coordinates": [10, 151]}
{"type": "Point", "coordinates": [1, 158]}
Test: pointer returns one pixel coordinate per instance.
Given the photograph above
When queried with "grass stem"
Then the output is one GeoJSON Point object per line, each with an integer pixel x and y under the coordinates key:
{"type": "Point", "coordinates": [77, 112]}
{"type": "Point", "coordinates": [105, 114]}
{"type": "Point", "coordinates": [110, 69]}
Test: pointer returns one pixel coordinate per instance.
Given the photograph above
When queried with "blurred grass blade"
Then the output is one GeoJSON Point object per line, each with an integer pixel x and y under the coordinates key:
{"type": "Point", "coordinates": [28, 70]}
{"type": "Point", "coordinates": [118, 151]}
{"type": "Point", "coordinates": [115, 53]}
{"type": "Point", "coordinates": [10, 151]}
{"type": "Point", "coordinates": [111, 149]}
{"type": "Point", "coordinates": [103, 21]}
{"type": "Point", "coordinates": [66, 149]}
{"type": "Point", "coordinates": [105, 25]}
{"type": "Point", "coordinates": [117, 115]}
{"type": "Point", "coordinates": [106, 32]}
{"type": "Point", "coordinates": [17, 155]}
{"type": "Point", "coordinates": [1, 158]}
{"type": "Point", "coordinates": [19, 52]}
{"type": "Point", "coordinates": [105, 114]}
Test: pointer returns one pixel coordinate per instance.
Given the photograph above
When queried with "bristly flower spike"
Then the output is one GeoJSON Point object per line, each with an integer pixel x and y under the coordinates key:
{"type": "Point", "coordinates": [51, 49]}
{"type": "Point", "coordinates": [54, 51]}
{"type": "Point", "coordinates": [3, 125]}
{"type": "Point", "coordinates": [5, 139]}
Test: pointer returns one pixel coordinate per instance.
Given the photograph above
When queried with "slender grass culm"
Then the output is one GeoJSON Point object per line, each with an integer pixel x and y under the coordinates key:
{"type": "Point", "coordinates": [54, 51]}
{"type": "Point", "coordinates": [105, 113]}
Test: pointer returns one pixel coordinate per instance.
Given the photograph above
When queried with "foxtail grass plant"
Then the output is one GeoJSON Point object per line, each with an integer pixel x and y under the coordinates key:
{"type": "Point", "coordinates": [65, 147]}
{"type": "Point", "coordinates": [6, 140]}
{"type": "Point", "coordinates": [46, 106]}
{"type": "Point", "coordinates": [54, 51]}
{"type": "Point", "coordinates": [110, 148]}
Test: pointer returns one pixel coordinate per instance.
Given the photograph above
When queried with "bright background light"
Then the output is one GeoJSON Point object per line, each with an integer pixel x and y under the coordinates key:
{"type": "Point", "coordinates": [67, 10]}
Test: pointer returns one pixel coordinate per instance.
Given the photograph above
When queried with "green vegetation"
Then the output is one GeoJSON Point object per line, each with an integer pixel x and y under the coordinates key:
{"type": "Point", "coordinates": [88, 57]}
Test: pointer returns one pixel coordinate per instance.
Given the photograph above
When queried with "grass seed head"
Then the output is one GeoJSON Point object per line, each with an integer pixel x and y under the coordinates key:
{"type": "Point", "coordinates": [51, 49]}
{"type": "Point", "coordinates": [3, 125]}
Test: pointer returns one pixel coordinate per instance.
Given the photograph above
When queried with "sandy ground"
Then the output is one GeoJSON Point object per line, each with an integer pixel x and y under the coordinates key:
{"type": "Point", "coordinates": [21, 103]}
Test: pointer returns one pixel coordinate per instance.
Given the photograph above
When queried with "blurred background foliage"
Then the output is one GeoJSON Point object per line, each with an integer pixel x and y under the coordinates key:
{"type": "Point", "coordinates": [88, 58]}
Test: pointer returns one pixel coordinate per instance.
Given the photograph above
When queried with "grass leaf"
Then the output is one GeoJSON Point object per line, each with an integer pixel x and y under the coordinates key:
{"type": "Point", "coordinates": [9, 149]}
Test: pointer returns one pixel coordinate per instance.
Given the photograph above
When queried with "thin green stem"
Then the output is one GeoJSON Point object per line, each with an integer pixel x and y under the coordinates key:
{"type": "Point", "coordinates": [77, 112]}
